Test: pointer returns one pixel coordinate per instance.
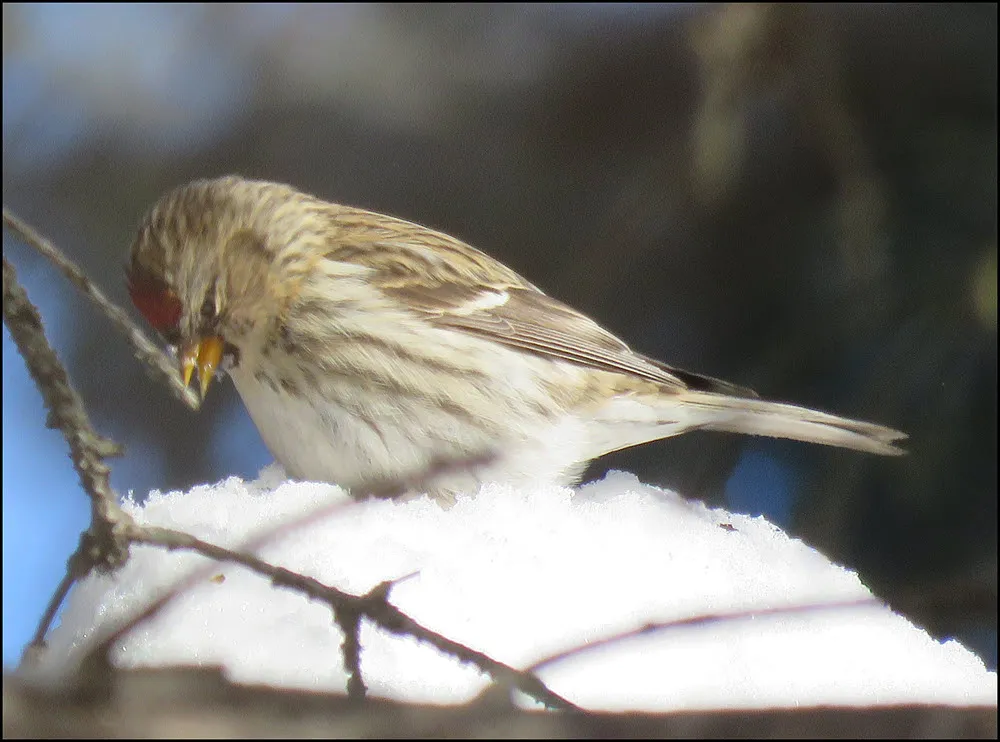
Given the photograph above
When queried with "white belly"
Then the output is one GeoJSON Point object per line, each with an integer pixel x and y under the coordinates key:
{"type": "Point", "coordinates": [383, 440]}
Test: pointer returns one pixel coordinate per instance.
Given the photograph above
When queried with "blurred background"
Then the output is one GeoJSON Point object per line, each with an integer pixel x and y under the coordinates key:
{"type": "Point", "coordinates": [800, 199]}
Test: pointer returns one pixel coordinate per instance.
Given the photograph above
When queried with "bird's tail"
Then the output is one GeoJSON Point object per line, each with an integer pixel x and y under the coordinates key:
{"type": "Point", "coordinates": [639, 421]}
{"type": "Point", "coordinates": [779, 420]}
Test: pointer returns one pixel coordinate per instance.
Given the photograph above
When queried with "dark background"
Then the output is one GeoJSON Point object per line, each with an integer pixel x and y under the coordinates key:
{"type": "Point", "coordinates": [800, 199]}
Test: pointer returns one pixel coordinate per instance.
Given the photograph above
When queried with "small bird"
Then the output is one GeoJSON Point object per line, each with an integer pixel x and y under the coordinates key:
{"type": "Point", "coordinates": [369, 349]}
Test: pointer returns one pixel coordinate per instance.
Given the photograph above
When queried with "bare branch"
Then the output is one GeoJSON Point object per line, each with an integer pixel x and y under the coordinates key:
{"type": "Point", "coordinates": [708, 618]}
{"type": "Point", "coordinates": [350, 624]}
{"type": "Point", "coordinates": [154, 360]}
{"type": "Point", "coordinates": [374, 606]}
{"type": "Point", "coordinates": [104, 545]}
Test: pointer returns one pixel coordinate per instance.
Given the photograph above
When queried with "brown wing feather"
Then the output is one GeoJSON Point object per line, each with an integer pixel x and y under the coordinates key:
{"type": "Point", "coordinates": [529, 320]}
{"type": "Point", "coordinates": [451, 284]}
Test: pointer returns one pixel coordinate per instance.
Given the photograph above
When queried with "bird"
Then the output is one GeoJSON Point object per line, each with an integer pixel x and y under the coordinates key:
{"type": "Point", "coordinates": [370, 350]}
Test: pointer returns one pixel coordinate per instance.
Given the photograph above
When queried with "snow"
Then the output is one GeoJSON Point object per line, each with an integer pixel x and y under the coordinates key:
{"type": "Point", "coordinates": [520, 575]}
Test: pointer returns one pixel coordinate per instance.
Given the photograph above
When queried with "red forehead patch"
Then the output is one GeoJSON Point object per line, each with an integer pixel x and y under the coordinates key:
{"type": "Point", "coordinates": [157, 303]}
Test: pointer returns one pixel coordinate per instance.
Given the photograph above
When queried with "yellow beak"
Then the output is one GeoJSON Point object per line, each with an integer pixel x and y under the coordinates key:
{"type": "Point", "coordinates": [205, 355]}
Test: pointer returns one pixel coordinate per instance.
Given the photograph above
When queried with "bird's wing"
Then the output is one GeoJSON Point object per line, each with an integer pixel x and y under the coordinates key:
{"type": "Point", "coordinates": [527, 319]}
{"type": "Point", "coordinates": [456, 286]}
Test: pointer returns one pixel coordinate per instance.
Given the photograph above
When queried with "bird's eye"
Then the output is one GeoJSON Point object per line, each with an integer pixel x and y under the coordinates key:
{"type": "Point", "coordinates": [157, 302]}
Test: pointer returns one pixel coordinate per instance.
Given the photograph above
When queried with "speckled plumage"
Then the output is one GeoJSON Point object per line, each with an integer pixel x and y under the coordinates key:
{"type": "Point", "coordinates": [368, 349]}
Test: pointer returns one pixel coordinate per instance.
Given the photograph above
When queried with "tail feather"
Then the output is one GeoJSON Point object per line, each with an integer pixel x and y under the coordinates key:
{"type": "Point", "coordinates": [629, 421]}
{"type": "Point", "coordinates": [779, 420]}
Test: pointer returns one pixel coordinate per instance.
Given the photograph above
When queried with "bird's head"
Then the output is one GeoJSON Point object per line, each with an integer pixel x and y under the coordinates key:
{"type": "Point", "coordinates": [199, 271]}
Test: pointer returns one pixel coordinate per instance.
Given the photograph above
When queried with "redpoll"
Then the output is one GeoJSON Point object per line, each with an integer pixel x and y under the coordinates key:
{"type": "Point", "coordinates": [368, 349]}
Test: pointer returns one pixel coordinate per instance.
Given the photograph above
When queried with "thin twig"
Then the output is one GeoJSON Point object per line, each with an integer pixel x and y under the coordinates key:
{"type": "Point", "coordinates": [708, 618]}
{"type": "Point", "coordinates": [152, 357]}
{"type": "Point", "coordinates": [375, 606]}
{"type": "Point", "coordinates": [349, 621]}
{"type": "Point", "coordinates": [88, 449]}
{"type": "Point", "coordinates": [38, 640]}
{"type": "Point", "coordinates": [104, 544]}
{"type": "Point", "coordinates": [345, 617]}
